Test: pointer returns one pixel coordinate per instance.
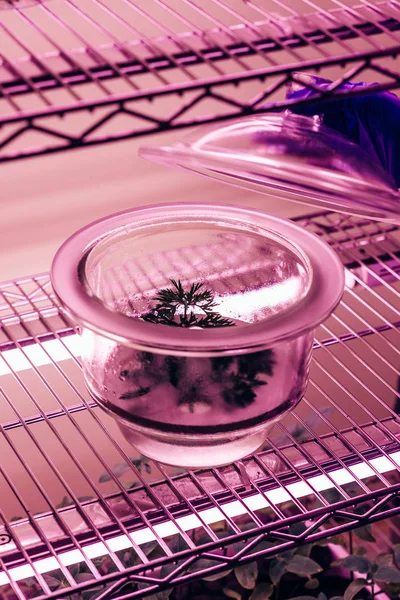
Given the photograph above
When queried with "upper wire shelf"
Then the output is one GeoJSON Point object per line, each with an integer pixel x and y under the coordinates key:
{"type": "Point", "coordinates": [76, 74]}
{"type": "Point", "coordinates": [79, 506]}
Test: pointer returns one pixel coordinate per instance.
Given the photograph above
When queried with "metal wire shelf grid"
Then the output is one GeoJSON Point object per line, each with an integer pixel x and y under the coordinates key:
{"type": "Point", "coordinates": [73, 493]}
{"type": "Point", "coordinates": [76, 75]}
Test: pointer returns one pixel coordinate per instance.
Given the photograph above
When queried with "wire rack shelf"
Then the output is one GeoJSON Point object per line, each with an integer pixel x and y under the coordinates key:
{"type": "Point", "coordinates": [79, 506]}
{"type": "Point", "coordinates": [75, 75]}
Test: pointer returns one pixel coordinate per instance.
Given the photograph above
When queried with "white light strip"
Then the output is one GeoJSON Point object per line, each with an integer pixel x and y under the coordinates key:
{"type": "Point", "coordinates": [209, 516]}
{"type": "Point", "coordinates": [18, 359]}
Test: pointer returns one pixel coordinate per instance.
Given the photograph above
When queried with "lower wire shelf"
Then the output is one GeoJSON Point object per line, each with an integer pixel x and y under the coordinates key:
{"type": "Point", "coordinates": [77, 504]}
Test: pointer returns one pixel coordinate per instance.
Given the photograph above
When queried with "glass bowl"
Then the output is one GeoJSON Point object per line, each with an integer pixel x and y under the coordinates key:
{"type": "Point", "coordinates": [198, 380]}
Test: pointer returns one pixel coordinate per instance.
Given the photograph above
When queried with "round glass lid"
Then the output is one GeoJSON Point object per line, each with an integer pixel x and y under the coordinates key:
{"type": "Point", "coordinates": [291, 156]}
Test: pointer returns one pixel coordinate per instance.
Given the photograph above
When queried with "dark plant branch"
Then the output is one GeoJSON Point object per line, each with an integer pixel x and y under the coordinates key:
{"type": "Point", "coordinates": [180, 308]}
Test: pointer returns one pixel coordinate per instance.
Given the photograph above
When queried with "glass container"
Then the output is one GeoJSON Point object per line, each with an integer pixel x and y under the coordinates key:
{"type": "Point", "coordinates": [185, 390]}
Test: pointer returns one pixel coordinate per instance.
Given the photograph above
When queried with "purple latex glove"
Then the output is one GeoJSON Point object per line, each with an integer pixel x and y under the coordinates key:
{"type": "Point", "coordinates": [371, 121]}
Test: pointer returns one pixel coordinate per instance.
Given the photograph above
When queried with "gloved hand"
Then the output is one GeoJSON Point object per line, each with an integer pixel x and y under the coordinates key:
{"type": "Point", "coordinates": [371, 121]}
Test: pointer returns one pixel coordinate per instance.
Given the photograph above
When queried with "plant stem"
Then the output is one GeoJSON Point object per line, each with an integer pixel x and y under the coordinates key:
{"type": "Point", "coordinates": [351, 548]}
{"type": "Point", "coordinates": [277, 590]}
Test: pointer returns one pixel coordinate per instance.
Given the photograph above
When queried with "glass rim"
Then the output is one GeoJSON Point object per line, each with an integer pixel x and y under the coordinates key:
{"type": "Point", "coordinates": [179, 222]}
{"type": "Point", "coordinates": [88, 311]}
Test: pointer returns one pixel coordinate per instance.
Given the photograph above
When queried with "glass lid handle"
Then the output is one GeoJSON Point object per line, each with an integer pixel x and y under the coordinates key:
{"type": "Point", "coordinates": [305, 81]}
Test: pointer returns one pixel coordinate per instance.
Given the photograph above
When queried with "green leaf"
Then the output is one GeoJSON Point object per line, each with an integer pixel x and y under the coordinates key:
{"type": "Point", "coordinates": [82, 577]}
{"type": "Point", "coordinates": [360, 551]}
{"type": "Point", "coordinates": [304, 550]}
{"type": "Point", "coordinates": [169, 568]}
{"type": "Point", "coordinates": [53, 582]}
{"type": "Point", "coordinates": [356, 563]}
{"type": "Point", "coordinates": [206, 563]}
{"type": "Point", "coordinates": [247, 575]}
{"type": "Point", "coordinates": [217, 576]}
{"type": "Point", "coordinates": [149, 547]}
{"type": "Point", "coordinates": [364, 533]}
{"type": "Point", "coordinates": [118, 470]}
{"type": "Point", "coordinates": [177, 544]}
{"type": "Point", "coordinates": [123, 467]}
{"type": "Point", "coordinates": [262, 591]}
{"type": "Point", "coordinates": [393, 589]}
{"type": "Point", "coordinates": [384, 559]}
{"type": "Point", "coordinates": [64, 502]}
{"type": "Point", "coordinates": [232, 593]}
{"type": "Point", "coordinates": [311, 584]}
{"type": "Point", "coordinates": [140, 464]}
{"type": "Point", "coordinates": [354, 587]}
{"type": "Point", "coordinates": [332, 496]}
{"type": "Point", "coordinates": [388, 574]}
{"type": "Point", "coordinates": [130, 485]}
{"type": "Point", "coordinates": [302, 598]}
{"type": "Point", "coordinates": [130, 558]}
{"type": "Point", "coordinates": [277, 569]}
{"type": "Point", "coordinates": [236, 547]}
{"type": "Point", "coordinates": [166, 570]}
{"type": "Point", "coordinates": [303, 566]}
{"type": "Point", "coordinates": [396, 554]}
{"type": "Point", "coordinates": [263, 545]}
{"type": "Point", "coordinates": [162, 595]}
{"type": "Point", "coordinates": [75, 569]}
